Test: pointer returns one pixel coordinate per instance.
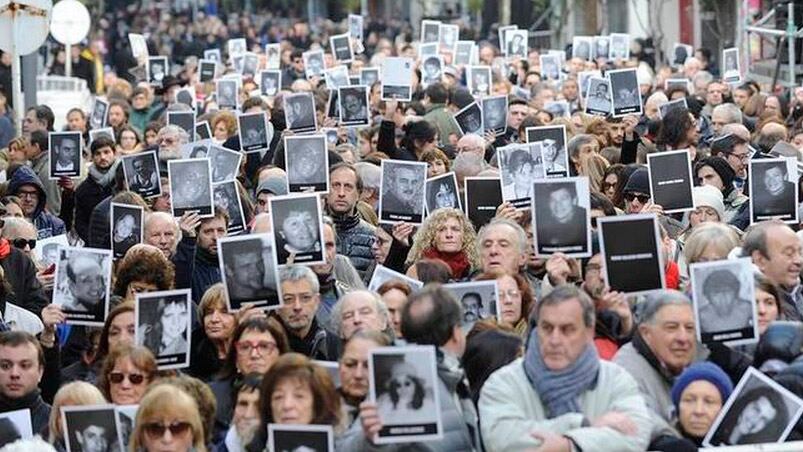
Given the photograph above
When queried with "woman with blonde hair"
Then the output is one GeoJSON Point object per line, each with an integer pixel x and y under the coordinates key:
{"type": "Point", "coordinates": [76, 393]}
{"type": "Point", "coordinates": [447, 235]}
{"type": "Point", "coordinates": [210, 344]}
{"type": "Point", "coordinates": [167, 419]}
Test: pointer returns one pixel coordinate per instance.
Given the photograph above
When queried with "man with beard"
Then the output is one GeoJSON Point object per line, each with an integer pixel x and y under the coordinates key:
{"type": "Point", "coordinates": [97, 187]}
{"type": "Point", "coordinates": [355, 236]}
{"type": "Point", "coordinates": [170, 139]}
{"type": "Point", "coordinates": [86, 284]}
{"type": "Point", "coordinates": [196, 257]}
{"type": "Point", "coordinates": [245, 272]}
{"type": "Point", "coordinates": [246, 418]}
{"type": "Point", "coordinates": [401, 196]}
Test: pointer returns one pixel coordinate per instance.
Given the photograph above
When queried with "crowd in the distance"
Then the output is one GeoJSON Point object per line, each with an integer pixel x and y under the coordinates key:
{"type": "Point", "coordinates": [567, 364]}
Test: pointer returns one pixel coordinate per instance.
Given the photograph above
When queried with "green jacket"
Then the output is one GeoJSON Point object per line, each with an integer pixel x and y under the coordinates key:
{"type": "Point", "coordinates": [443, 120]}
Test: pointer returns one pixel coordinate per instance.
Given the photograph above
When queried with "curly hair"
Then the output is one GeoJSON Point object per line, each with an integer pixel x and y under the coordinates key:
{"type": "Point", "coordinates": [228, 118]}
{"type": "Point", "coordinates": [424, 239]}
{"type": "Point", "coordinates": [144, 263]}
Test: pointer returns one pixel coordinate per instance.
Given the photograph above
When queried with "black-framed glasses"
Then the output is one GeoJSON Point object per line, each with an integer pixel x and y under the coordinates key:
{"type": "Point", "coordinates": [21, 243]}
{"type": "Point", "coordinates": [118, 377]}
{"type": "Point", "coordinates": [629, 197]}
{"type": "Point", "coordinates": [157, 429]}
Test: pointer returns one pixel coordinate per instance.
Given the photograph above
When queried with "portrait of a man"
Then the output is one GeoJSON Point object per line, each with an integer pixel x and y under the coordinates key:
{"type": "Point", "coordinates": [774, 194]}
{"type": "Point", "coordinates": [563, 222]}
{"type": "Point", "coordinates": [143, 178]}
{"type": "Point", "coordinates": [245, 269]}
{"type": "Point", "coordinates": [67, 155]}
{"type": "Point", "coordinates": [403, 193]}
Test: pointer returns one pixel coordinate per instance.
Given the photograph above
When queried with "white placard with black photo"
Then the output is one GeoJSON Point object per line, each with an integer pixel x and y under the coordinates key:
{"type": "Point", "coordinates": [299, 112]}
{"type": "Point", "coordinates": [383, 274]}
{"type": "Point", "coordinates": [195, 150]}
{"type": "Point", "coordinates": [620, 46]}
{"type": "Point", "coordinates": [631, 251]}
{"type": "Point", "coordinates": [584, 82]}
{"type": "Point", "coordinates": [186, 96]}
{"type": "Point", "coordinates": [126, 418]}
{"type": "Point", "coordinates": [297, 229]}
{"type": "Point", "coordinates": [724, 301]}
{"type": "Point", "coordinates": [519, 165]}
{"type": "Point", "coordinates": [671, 180]}
{"type": "Point", "coordinates": [207, 70]}
{"type": "Point", "coordinates": [598, 97]}
{"type": "Point", "coordinates": [307, 162]}
{"type": "Point", "coordinates": [672, 83]}
{"type": "Point", "coordinates": [397, 78]}
{"type": "Point", "coordinates": [100, 112]}
{"type": "Point", "coordinates": [227, 97]}
{"type": "Point", "coordinates": [336, 77]}
{"type": "Point", "coordinates": [341, 48]}
{"type": "Point", "coordinates": [139, 46]}
{"type": "Point", "coordinates": [730, 66]}
{"type": "Point", "coordinates": [502, 34]}
{"type": "Point", "coordinates": [162, 325]}
{"type": "Point", "coordinates": [431, 70]}
{"type": "Point", "coordinates": [250, 65]}
{"type": "Point", "coordinates": [213, 55]}
{"type": "Point", "coordinates": [469, 119]}
{"type": "Point", "coordinates": [666, 107]}
{"type": "Point", "coordinates": [301, 438]}
{"type": "Point", "coordinates": [126, 227]}
{"type": "Point", "coordinates": [236, 47]}
{"type": "Point", "coordinates": [183, 119]}
{"type": "Point", "coordinates": [227, 198]}
{"type": "Point", "coordinates": [602, 47]}
{"type": "Point", "coordinates": [483, 196]}
{"type": "Point", "coordinates": [550, 67]}
{"type": "Point", "coordinates": [82, 281]}
{"type": "Point", "coordinates": [478, 80]}
{"type": "Point", "coordinates": [558, 108]}
{"type": "Point", "coordinates": [680, 52]}
{"type": "Point", "coordinates": [90, 428]}
{"type": "Point", "coordinates": [369, 76]}
{"type": "Point", "coordinates": [157, 69]}
{"type": "Point", "coordinates": [758, 411]}
{"type": "Point", "coordinates": [65, 154]}
{"type": "Point", "coordinates": [561, 217]}
{"type": "Point", "coordinates": [273, 56]}
{"type": "Point", "coordinates": [190, 186]}
{"type": "Point", "coordinates": [248, 271]}
{"type": "Point", "coordinates": [47, 250]}
{"type": "Point", "coordinates": [430, 31]}
{"type": "Point", "coordinates": [253, 129]}
{"type": "Point", "coordinates": [449, 34]}
{"type": "Point", "coordinates": [554, 154]}
{"type": "Point", "coordinates": [427, 49]}
{"type": "Point", "coordinates": [16, 425]}
{"type": "Point", "coordinates": [270, 82]}
{"type": "Point", "coordinates": [203, 131]}
{"type": "Point", "coordinates": [516, 44]}
{"type": "Point", "coordinates": [313, 63]}
{"type": "Point", "coordinates": [626, 92]}
{"type": "Point", "coordinates": [582, 47]}
{"type": "Point", "coordinates": [442, 193]}
{"type": "Point", "coordinates": [494, 114]}
{"type": "Point", "coordinates": [401, 191]}
{"type": "Point", "coordinates": [225, 163]}
{"type": "Point", "coordinates": [142, 174]}
{"type": "Point", "coordinates": [354, 109]}
{"type": "Point", "coordinates": [403, 385]}
{"type": "Point", "coordinates": [773, 189]}
{"type": "Point", "coordinates": [479, 300]}
{"type": "Point", "coordinates": [462, 53]}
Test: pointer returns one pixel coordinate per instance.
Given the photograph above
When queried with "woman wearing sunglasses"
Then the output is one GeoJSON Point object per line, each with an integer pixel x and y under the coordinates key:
{"type": "Point", "coordinates": [167, 421]}
{"type": "Point", "coordinates": [126, 374]}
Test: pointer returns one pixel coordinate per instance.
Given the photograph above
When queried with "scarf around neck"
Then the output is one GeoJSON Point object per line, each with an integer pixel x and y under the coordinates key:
{"type": "Point", "coordinates": [560, 390]}
{"type": "Point", "coordinates": [103, 178]}
{"type": "Point", "coordinates": [458, 262]}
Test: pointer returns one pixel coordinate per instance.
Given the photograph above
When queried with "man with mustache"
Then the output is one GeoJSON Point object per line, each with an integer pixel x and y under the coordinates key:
{"type": "Point", "coordinates": [401, 198]}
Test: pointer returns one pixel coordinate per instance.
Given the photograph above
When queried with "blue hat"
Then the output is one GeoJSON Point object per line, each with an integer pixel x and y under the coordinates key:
{"type": "Point", "coordinates": [707, 371]}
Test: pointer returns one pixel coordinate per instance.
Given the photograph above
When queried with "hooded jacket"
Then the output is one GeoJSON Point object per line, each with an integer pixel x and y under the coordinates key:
{"type": "Point", "coordinates": [46, 223]}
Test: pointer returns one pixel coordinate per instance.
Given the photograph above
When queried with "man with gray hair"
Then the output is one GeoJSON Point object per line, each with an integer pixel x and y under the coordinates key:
{"type": "Point", "coordinates": [300, 299]}
{"type": "Point", "coordinates": [502, 246]}
{"type": "Point", "coordinates": [580, 145]}
{"type": "Point", "coordinates": [723, 115]}
{"type": "Point", "coordinates": [663, 345]}
{"type": "Point", "coordinates": [371, 176]}
{"type": "Point", "coordinates": [162, 231]}
{"type": "Point", "coordinates": [360, 310]}
{"type": "Point", "coordinates": [170, 139]}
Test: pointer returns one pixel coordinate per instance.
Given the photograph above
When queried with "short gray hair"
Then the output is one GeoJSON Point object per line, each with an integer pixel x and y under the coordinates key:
{"type": "Point", "coordinates": [370, 175]}
{"type": "Point", "coordinates": [337, 310]}
{"type": "Point", "coordinates": [565, 293]}
{"type": "Point", "coordinates": [731, 111]}
{"type": "Point", "coordinates": [14, 226]}
{"type": "Point", "coordinates": [648, 309]}
{"type": "Point", "coordinates": [172, 129]}
{"type": "Point", "coordinates": [578, 141]}
{"type": "Point", "coordinates": [521, 235]}
{"type": "Point", "coordinates": [299, 273]}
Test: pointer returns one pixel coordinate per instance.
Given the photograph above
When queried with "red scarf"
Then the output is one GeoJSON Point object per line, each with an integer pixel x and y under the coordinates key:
{"type": "Point", "coordinates": [5, 248]}
{"type": "Point", "coordinates": [672, 275]}
{"type": "Point", "coordinates": [458, 262]}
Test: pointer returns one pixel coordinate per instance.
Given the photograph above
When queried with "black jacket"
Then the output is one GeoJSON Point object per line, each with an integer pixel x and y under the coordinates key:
{"type": "Point", "coordinates": [88, 195]}
{"type": "Point", "coordinates": [21, 274]}
{"type": "Point", "coordinates": [40, 411]}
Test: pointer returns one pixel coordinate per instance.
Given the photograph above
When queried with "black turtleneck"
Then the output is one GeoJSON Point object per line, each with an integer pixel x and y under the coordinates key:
{"type": "Point", "coordinates": [40, 411]}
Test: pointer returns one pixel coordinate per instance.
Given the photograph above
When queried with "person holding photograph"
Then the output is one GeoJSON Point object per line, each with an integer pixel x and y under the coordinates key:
{"type": "Point", "coordinates": [515, 301]}
{"type": "Point", "coordinates": [777, 194]}
{"type": "Point", "coordinates": [758, 415]}
{"type": "Point", "coordinates": [86, 284]}
{"type": "Point", "coordinates": [360, 310]}
{"type": "Point", "coordinates": [76, 393]}
{"type": "Point", "coordinates": [402, 189]}
{"type": "Point", "coordinates": [447, 235]}
{"type": "Point", "coordinates": [353, 372]}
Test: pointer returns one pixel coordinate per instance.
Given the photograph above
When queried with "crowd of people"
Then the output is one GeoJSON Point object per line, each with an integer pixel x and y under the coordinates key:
{"type": "Point", "coordinates": [562, 362]}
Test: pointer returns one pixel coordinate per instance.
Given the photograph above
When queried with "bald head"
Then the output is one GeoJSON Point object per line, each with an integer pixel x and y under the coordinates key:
{"type": "Point", "coordinates": [472, 143]}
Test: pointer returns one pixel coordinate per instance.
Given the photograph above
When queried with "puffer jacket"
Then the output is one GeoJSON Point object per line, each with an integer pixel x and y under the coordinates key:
{"type": "Point", "coordinates": [355, 237]}
{"type": "Point", "coordinates": [47, 225]}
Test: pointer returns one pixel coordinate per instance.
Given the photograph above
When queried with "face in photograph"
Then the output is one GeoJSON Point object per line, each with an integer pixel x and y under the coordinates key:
{"type": "Point", "coordinates": [190, 186]}
{"type": "Point", "coordinates": [307, 161]}
{"type": "Point", "coordinates": [494, 114]}
{"type": "Point", "coordinates": [472, 122]}
{"type": "Point", "coordinates": [253, 136]}
{"type": "Point", "coordinates": [521, 169]}
{"type": "Point", "coordinates": [248, 270]}
{"type": "Point", "coordinates": [93, 438]}
{"type": "Point", "coordinates": [228, 93]}
{"type": "Point", "coordinates": [774, 179]}
{"type": "Point", "coordinates": [562, 204]}
{"type": "Point", "coordinates": [157, 71]}
{"type": "Point", "coordinates": [445, 197]}
{"type": "Point", "coordinates": [315, 65]}
{"type": "Point", "coordinates": [406, 182]}
{"type": "Point", "coordinates": [405, 398]}
{"type": "Point", "coordinates": [269, 85]}
{"type": "Point", "coordinates": [67, 152]}
{"type": "Point", "coordinates": [173, 320]}
{"type": "Point", "coordinates": [300, 231]}
{"type": "Point", "coordinates": [761, 416]}
{"type": "Point", "coordinates": [86, 282]}
{"type": "Point", "coordinates": [353, 105]}
{"type": "Point", "coordinates": [142, 169]}
{"type": "Point", "coordinates": [124, 228]}
{"type": "Point", "coordinates": [472, 303]}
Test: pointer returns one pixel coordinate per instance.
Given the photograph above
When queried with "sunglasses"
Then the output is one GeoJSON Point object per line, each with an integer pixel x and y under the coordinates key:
{"type": "Point", "coordinates": [629, 197]}
{"type": "Point", "coordinates": [401, 384]}
{"type": "Point", "coordinates": [20, 243]}
{"type": "Point", "coordinates": [118, 377]}
{"type": "Point", "coordinates": [157, 430]}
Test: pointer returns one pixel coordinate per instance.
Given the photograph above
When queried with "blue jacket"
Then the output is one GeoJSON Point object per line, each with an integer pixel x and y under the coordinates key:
{"type": "Point", "coordinates": [46, 223]}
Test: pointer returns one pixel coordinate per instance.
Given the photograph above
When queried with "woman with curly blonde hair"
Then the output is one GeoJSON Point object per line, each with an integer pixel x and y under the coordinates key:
{"type": "Point", "coordinates": [449, 236]}
{"type": "Point", "coordinates": [224, 126]}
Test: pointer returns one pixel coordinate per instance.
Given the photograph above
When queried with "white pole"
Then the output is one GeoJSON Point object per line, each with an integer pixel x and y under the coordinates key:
{"type": "Point", "coordinates": [791, 32]}
{"type": "Point", "coordinates": [16, 77]}
{"type": "Point", "coordinates": [68, 60]}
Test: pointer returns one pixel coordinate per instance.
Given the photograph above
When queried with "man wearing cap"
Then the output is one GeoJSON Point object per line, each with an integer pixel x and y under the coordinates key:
{"type": "Point", "coordinates": [274, 185]}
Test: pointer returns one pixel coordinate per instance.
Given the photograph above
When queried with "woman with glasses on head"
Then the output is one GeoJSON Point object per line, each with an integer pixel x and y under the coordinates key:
{"type": "Point", "coordinates": [126, 374]}
{"type": "Point", "coordinates": [168, 421]}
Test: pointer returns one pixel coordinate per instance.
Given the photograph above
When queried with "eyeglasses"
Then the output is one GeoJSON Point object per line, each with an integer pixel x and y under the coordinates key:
{"type": "Point", "coordinates": [263, 347]}
{"type": "Point", "coordinates": [27, 194]}
{"type": "Point", "coordinates": [21, 243]}
{"type": "Point", "coordinates": [741, 157]}
{"type": "Point", "coordinates": [406, 383]}
{"type": "Point", "coordinates": [629, 197]}
{"type": "Point", "coordinates": [157, 430]}
{"type": "Point", "coordinates": [118, 377]}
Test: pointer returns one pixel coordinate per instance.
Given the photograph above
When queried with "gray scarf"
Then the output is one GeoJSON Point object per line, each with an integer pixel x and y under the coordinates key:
{"type": "Point", "coordinates": [103, 178]}
{"type": "Point", "coordinates": [560, 390]}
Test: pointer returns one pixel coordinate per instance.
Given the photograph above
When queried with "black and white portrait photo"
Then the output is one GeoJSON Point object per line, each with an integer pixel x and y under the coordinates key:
{"type": "Point", "coordinates": [250, 65]}
{"type": "Point", "coordinates": [313, 63]}
{"type": "Point", "coordinates": [759, 410]}
{"type": "Point", "coordinates": [100, 109]}
{"type": "Point", "coordinates": [494, 114]}
{"type": "Point", "coordinates": [299, 112]}
{"type": "Point", "coordinates": [248, 270]}
{"type": "Point", "coordinates": [225, 163]}
{"type": "Point", "coordinates": [402, 382]}
{"type": "Point", "coordinates": [620, 46]}
{"type": "Point", "coordinates": [300, 438]}
{"type": "Point", "coordinates": [430, 31]}
{"type": "Point", "coordinates": [554, 156]}
{"type": "Point", "coordinates": [582, 47]}
{"type": "Point", "coordinates": [157, 69]}
{"type": "Point", "coordinates": [449, 34]}
{"type": "Point", "coordinates": [724, 301]}
{"type": "Point", "coordinates": [477, 298]}
{"type": "Point", "coordinates": [516, 44]}
{"type": "Point", "coordinates": [598, 97]}
{"type": "Point", "coordinates": [584, 81]}
{"type": "Point", "coordinates": [206, 70]}
{"type": "Point", "coordinates": [469, 119]}
{"type": "Point", "coordinates": [561, 216]}
{"type": "Point", "coordinates": [227, 94]}
{"type": "Point", "coordinates": [478, 80]}
{"type": "Point", "coordinates": [186, 96]}
{"type": "Point", "coordinates": [47, 250]}
{"type": "Point", "coordinates": [15, 425]}
{"type": "Point", "coordinates": [273, 56]}
{"type": "Point", "coordinates": [442, 192]}
{"type": "Point", "coordinates": [431, 70]}
{"type": "Point", "coordinates": [519, 165]}
{"type": "Point", "coordinates": [463, 52]}
{"type": "Point", "coordinates": [190, 186]}
{"type": "Point", "coordinates": [90, 428]}
{"type": "Point", "coordinates": [401, 197]}
{"type": "Point", "coordinates": [773, 190]}
{"type": "Point", "coordinates": [383, 274]}
{"type": "Point", "coordinates": [680, 52]}
{"type": "Point", "coordinates": [270, 82]}
{"type": "Point", "coordinates": [202, 131]}
{"type": "Point", "coordinates": [107, 132]}
{"type": "Point", "coordinates": [676, 104]}
{"type": "Point", "coordinates": [236, 47]}
{"type": "Point", "coordinates": [671, 180]}
{"type": "Point", "coordinates": [307, 163]}
{"type": "Point", "coordinates": [195, 150]}
{"type": "Point", "coordinates": [397, 78]}
{"type": "Point", "coordinates": [126, 417]}
{"type": "Point", "coordinates": [297, 229]}
{"type": "Point", "coordinates": [142, 174]}
{"type": "Point", "coordinates": [427, 49]}
{"type": "Point", "coordinates": [602, 47]}
{"type": "Point", "coordinates": [336, 77]}
{"type": "Point", "coordinates": [163, 326]}
{"type": "Point", "coordinates": [82, 280]}
{"type": "Point", "coordinates": [550, 67]}
{"type": "Point", "coordinates": [213, 55]}
{"type": "Point", "coordinates": [354, 109]}
{"type": "Point", "coordinates": [730, 65]}
{"type": "Point", "coordinates": [369, 76]}
{"type": "Point", "coordinates": [625, 91]}
{"type": "Point", "coordinates": [227, 198]}
{"type": "Point", "coordinates": [65, 154]}
{"type": "Point", "coordinates": [341, 48]}
{"type": "Point", "coordinates": [183, 119]}
{"type": "Point", "coordinates": [482, 197]}
{"type": "Point", "coordinates": [631, 249]}
{"type": "Point", "coordinates": [253, 131]}
{"type": "Point", "coordinates": [126, 227]}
